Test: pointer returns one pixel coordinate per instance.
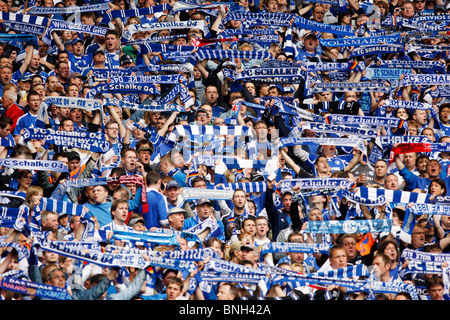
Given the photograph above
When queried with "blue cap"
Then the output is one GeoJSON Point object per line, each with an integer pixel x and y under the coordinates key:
{"type": "Point", "coordinates": [76, 40]}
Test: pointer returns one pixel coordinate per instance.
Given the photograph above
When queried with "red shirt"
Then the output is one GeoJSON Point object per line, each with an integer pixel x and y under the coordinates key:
{"type": "Point", "coordinates": [14, 112]}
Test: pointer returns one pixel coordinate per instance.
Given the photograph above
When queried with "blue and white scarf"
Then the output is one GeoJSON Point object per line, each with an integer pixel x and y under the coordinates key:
{"type": "Point", "coordinates": [15, 218]}
{"type": "Point", "coordinates": [360, 41]}
{"type": "Point", "coordinates": [350, 86]}
{"type": "Point", "coordinates": [396, 196]}
{"type": "Point", "coordinates": [202, 131]}
{"type": "Point", "coordinates": [193, 5]}
{"type": "Point", "coordinates": [211, 194]}
{"type": "Point", "coordinates": [294, 247]}
{"type": "Point", "coordinates": [74, 102]}
{"type": "Point", "coordinates": [122, 14]}
{"type": "Point", "coordinates": [93, 141]}
{"type": "Point", "coordinates": [408, 104]}
{"type": "Point", "coordinates": [12, 39]}
{"type": "Point", "coordinates": [340, 129]}
{"type": "Point", "coordinates": [302, 23]}
{"type": "Point", "coordinates": [30, 288]}
{"type": "Point", "coordinates": [314, 183]}
{"type": "Point", "coordinates": [421, 262]}
{"type": "Point", "coordinates": [68, 10]}
{"type": "Point", "coordinates": [377, 49]}
{"type": "Point", "coordinates": [39, 165]}
{"type": "Point", "coordinates": [248, 187]}
{"type": "Point", "coordinates": [437, 66]}
{"type": "Point", "coordinates": [104, 259]}
{"type": "Point", "coordinates": [278, 75]}
{"type": "Point", "coordinates": [425, 79]}
{"type": "Point", "coordinates": [165, 238]}
{"type": "Point", "coordinates": [206, 53]}
{"type": "Point", "coordinates": [349, 226]}
{"type": "Point", "coordinates": [362, 120]}
{"type": "Point", "coordinates": [226, 33]}
{"type": "Point", "coordinates": [144, 27]}
{"type": "Point", "coordinates": [261, 18]}
{"type": "Point", "coordinates": [60, 190]}
{"type": "Point", "coordinates": [143, 107]}
{"type": "Point", "coordinates": [348, 142]}
{"type": "Point", "coordinates": [126, 88]}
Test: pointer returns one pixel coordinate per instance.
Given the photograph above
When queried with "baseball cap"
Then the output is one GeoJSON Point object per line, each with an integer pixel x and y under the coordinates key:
{"type": "Point", "coordinates": [249, 247]}
{"type": "Point", "coordinates": [125, 59]}
{"type": "Point", "coordinates": [203, 201]}
{"type": "Point", "coordinates": [99, 51]}
{"type": "Point", "coordinates": [146, 148]}
{"type": "Point", "coordinates": [173, 184]}
{"type": "Point", "coordinates": [309, 34]}
{"type": "Point", "coordinates": [72, 155]}
{"type": "Point", "coordinates": [77, 40]}
{"type": "Point", "coordinates": [133, 221]}
{"type": "Point", "coordinates": [200, 110]}
{"type": "Point", "coordinates": [77, 75]}
{"type": "Point", "coordinates": [176, 210]}
{"type": "Point", "coordinates": [25, 77]}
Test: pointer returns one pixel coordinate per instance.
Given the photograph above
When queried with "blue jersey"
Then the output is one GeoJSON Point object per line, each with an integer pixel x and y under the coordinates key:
{"type": "Point", "coordinates": [26, 121]}
{"type": "Point", "coordinates": [156, 214]}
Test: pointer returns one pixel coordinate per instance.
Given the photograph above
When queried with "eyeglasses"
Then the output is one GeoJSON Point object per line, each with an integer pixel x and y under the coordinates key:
{"type": "Point", "coordinates": [113, 129]}
{"type": "Point", "coordinates": [419, 1]}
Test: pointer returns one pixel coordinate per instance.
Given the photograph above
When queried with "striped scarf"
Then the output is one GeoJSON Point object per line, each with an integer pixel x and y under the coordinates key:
{"type": "Point", "coordinates": [395, 196]}
{"type": "Point", "coordinates": [122, 14]}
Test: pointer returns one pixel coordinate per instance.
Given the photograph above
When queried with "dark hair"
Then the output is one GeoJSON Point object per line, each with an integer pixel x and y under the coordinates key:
{"type": "Point", "coordinates": [119, 171]}
{"type": "Point", "coordinates": [152, 177]}
{"type": "Point", "coordinates": [441, 183]}
{"type": "Point", "coordinates": [4, 121]}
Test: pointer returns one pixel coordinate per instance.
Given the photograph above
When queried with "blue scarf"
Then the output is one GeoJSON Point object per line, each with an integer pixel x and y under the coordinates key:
{"type": "Point", "coordinates": [144, 107]}
{"type": "Point", "coordinates": [404, 64]}
{"type": "Point", "coordinates": [42, 165]}
{"type": "Point", "coordinates": [126, 88]}
{"type": "Point", "coordinates": [30, 288]}
{"type": "Point", "coordinates": [122, 14]}
{"type": "Point", "coordinates": [425, 79]}
{"type": "Point", "coordinates": [362, 120]}
{"type": "Point", "coordinates": [395, 196]}
{"type": "Point", "coordinates": [349, 86]}
{"type": "Point", "coordinates": [294, 247]}
{"type": "Point", "coordinates": [408, 104]}
{"type": "Point", "coordinates": [360, 41]}
{"type": "Point", "coordinates": [166, 238]}
{"type": "Point", "coordinates": [194, 24]}
{"type": "Point", "coordinates": [302, 23]}
{"type": "Point", "coordinates": [19, 38]}
{"type": "Point", "coordinates": [68, 10]}
{"type": "Point", "coordinates": [60, 190]}
{"type": "Point", "coordinates": [420, 262]}
{"type": "Point", "coordinates": [349, 226]}
{"type": "Point", "coordinates": [82, 140]}
{"type": "Point", "coordinates": [278, 75]}
{"type": "Point", "coordinates": [340, 129]}
{"type": "Point", "coordinates": [314, 183]}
